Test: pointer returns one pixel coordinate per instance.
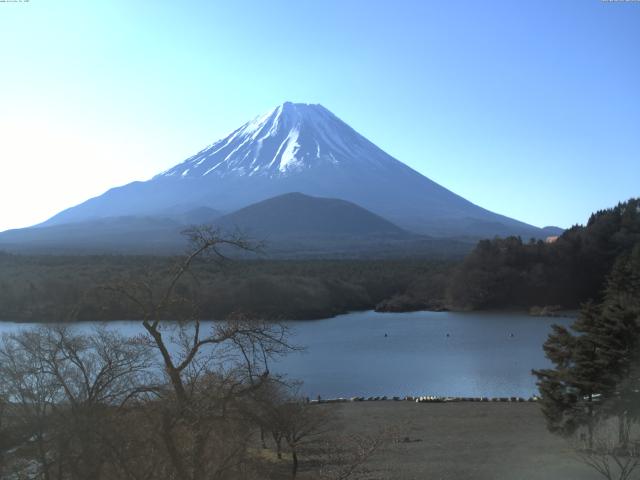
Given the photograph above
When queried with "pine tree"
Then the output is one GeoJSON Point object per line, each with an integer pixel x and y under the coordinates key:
{"type": "Point", "coordinates": [596, 370]}
{"type": "Point", "coordinates": [619, 340]}
{"type": "Point", "coordinates": [590, 373]}
{"type": "Point", "coordinates": [557, 394]}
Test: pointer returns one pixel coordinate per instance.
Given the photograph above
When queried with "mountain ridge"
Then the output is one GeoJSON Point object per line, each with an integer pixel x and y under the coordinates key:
{"type": "Point", "coordinates": [303, 148]}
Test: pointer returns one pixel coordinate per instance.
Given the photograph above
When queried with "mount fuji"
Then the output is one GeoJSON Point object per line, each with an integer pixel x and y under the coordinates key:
{"type": "Point", "coordinates": [301, 148]}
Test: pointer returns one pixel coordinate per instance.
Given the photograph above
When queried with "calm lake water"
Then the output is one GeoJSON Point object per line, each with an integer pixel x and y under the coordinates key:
{"type": "Point", "coordinates": [423, 353]}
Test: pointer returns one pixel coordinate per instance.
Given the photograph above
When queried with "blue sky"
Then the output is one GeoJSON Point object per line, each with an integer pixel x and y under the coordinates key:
{"type": "Point", "coordinates": [528, 108]}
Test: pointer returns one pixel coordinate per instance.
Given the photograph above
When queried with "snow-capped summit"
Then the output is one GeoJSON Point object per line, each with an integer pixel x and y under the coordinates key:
{"type": "Point", "coordinates": [290, 138]}
{"type": "Point", "coordinates": [302, 148]}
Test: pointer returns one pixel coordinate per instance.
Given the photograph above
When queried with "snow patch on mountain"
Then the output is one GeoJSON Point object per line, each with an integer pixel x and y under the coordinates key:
{"type": "Point", "coordinates": [289, 138]}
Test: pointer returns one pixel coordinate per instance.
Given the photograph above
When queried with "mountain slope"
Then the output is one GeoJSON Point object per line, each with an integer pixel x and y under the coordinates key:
{"type": "Point", "coordinates": [298, 215]}
{"type": "Point", "coordinates": [301, 148]}
{"type": "Point", "coordinates": [290, 226]}
{"type": "Point", "coordinates": [126, 234]}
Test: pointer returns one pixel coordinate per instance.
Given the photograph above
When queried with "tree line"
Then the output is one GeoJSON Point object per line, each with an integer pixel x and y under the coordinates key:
{"type": "Point", "coordinates": [69, 288]}
{"type": "Point", "coordinates": [509, 272]}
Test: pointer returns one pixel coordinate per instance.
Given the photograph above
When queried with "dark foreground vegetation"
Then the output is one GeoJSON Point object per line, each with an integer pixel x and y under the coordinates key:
{"type": "Point", "coordinates": [180, 402]}
{"type": "Point", "coordinates": [101, 406]}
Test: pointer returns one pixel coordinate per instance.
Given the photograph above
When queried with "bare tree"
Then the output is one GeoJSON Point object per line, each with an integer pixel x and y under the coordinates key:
{"type": "Point", "coordinates": [96, 373]}
{"type": "Point", "coordinates": [208, 367]}
{"type": "Point", "coordinates": [64, 387]}
{"type": "Point", "coordinates": [31, 390]}
{"type": "Point", "coordinates": [310, 430]}
{"type": "Point", "coordinates": [300, 424]}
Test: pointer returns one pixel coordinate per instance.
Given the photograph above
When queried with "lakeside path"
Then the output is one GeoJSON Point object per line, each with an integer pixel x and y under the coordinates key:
{"type": "Point", "coordinates": [466, 440]}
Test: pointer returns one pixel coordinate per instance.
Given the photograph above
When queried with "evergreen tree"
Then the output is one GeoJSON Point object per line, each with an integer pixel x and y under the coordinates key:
{"type": "Point", "coordinates": [619, 340]}
{"type": "Point", "coordinates": [571, 392]}
{"type": "Point", "coordinates": [596, 370]}
{"type": "Point", "coordinates": [590, 373]}
{"type": "Point", "coordinates": [557, 394]}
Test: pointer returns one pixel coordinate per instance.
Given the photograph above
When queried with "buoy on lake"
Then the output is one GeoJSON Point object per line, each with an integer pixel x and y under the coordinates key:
{"type": "Point", "coordinates": [386, 335]}
{"type": "Point", "coordinates": [448, 334]}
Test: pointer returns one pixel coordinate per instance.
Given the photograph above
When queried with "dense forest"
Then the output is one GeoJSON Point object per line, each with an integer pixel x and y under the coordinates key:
{"type": "Point", "coordinates": [508, 272]}
{"type": "Point", "coordinates": [70, 288]}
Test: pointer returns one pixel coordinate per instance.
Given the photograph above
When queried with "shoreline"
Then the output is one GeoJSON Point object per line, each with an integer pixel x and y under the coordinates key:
{"type": "Point", "coordinates": [505, 311]}
{"type": "Point", "coordinates": [424, 399]}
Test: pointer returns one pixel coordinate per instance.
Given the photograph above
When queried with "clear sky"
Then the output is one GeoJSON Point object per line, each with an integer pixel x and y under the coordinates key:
{"type": "Point", "coordinates": [528, 108]}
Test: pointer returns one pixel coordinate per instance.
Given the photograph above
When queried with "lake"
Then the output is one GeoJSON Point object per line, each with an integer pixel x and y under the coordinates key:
{"type": "Point", "coordinates": [423, 353]}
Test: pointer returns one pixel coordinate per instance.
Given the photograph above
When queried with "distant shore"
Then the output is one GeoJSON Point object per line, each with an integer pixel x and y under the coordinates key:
{"type": "Point", "coordinates": [533, 312]}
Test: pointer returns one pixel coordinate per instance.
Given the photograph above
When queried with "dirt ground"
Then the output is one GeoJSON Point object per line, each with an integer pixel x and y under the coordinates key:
{"type": "Point", "coordinates": [458, 441]}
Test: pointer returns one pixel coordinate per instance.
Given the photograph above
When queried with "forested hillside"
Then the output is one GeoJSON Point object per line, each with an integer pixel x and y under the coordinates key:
{"type": "Point", "coordinates": [511, 273]}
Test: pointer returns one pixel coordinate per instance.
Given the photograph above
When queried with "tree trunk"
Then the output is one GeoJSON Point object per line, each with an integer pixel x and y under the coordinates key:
{"type": "Point", "coordinates": [294, 465]}
{"type": "Point", "coordinates": [201, 437]}
{"type": "Point", "coordinates": [262, 440]}
{"type": "Point", "coordinates": [42, 453]}
{"type": "Point", "coordinates": [168, 440]}
{"type": "Point", "coordinates": [590, 422]}
{"type": "Point", "coordinates": [278, 440]}
{"type": "Point", "coordinates": [624, 426]}
{"type": "Point", "coordinates": [172, 371]}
